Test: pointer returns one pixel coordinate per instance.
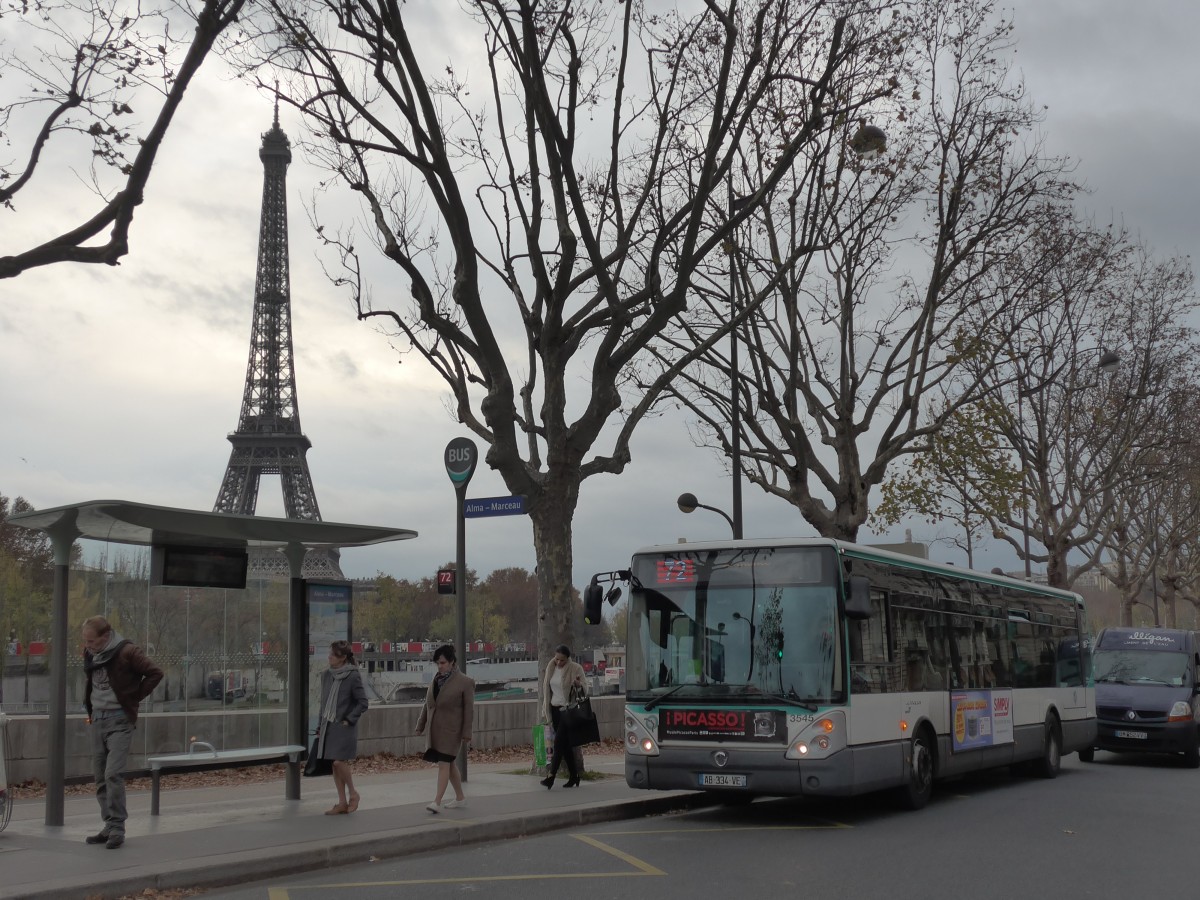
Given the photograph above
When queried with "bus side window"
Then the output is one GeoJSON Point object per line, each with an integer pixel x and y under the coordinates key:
{"type": "Point", "coordinates": [869, 662]}
{"type": "Point", "coordinates": [913, 653]}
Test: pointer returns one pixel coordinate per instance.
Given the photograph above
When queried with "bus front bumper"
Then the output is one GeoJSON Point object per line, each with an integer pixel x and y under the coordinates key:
{"type": "Point", "coordinates": [755, 772]}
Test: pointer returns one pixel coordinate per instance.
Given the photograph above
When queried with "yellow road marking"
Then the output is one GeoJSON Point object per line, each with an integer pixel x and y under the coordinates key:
{"type": "Point", "coordinates": [643, 869]}
{"type": "Point", "coordinates": [826, 825]}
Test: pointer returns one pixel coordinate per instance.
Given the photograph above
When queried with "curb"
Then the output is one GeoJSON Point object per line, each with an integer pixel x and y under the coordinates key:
{"type": "Point", "coordinates": [241, 868]}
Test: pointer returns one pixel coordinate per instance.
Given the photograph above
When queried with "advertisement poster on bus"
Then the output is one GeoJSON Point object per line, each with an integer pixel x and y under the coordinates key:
{"type": "Point", "coordinates": [328, 621]}
{"type": "Point", "coordinates": [981, 719]}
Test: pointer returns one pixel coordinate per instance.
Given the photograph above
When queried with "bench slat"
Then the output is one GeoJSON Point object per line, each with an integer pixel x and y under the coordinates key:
{"type": "Point", "coordinates": [215, 758]}
{"type": "Point", "coordinates": [204, 757]}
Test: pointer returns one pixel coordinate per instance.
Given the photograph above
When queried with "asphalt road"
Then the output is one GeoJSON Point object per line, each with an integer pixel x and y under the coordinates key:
{"type": "Point", "coordinates": [1122, 827]}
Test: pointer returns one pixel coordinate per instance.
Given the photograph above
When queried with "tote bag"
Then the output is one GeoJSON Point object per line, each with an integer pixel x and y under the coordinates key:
{"type": "Point", "coordinates": [582, 727]}
{"type": "Point", "coordinates": [315, 766]}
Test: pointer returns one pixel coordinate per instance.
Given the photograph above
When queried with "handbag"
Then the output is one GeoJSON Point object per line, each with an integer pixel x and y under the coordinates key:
{"type": "Point", "coordinates": [314, 766]}
{"type": "Point", "coordinates": [580, 720]}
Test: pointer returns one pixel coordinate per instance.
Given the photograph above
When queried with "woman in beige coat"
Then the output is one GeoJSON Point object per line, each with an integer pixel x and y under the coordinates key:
{"type": "Point", "coordinates": [447, 713]}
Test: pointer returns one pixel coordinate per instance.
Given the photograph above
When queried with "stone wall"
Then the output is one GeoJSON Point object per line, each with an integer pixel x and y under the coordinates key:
{"type": "Point", "coordinates": [498, 723]}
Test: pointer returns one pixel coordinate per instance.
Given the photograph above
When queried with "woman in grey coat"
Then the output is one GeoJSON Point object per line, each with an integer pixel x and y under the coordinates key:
{"type": "Point", "coordinates": [343, 701]}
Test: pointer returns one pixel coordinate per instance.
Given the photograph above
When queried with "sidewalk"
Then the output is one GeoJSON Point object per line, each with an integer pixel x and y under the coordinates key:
{"type": "Point", "coordinates": [209, 837]}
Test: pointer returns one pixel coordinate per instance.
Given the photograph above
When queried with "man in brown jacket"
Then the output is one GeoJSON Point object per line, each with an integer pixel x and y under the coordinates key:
{"type": "Point", "coordinates": [119, 677]}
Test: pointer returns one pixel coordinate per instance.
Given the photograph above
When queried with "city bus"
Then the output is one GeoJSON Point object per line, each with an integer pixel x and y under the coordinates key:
{"type": "Point", "coordinates": [809, 667]}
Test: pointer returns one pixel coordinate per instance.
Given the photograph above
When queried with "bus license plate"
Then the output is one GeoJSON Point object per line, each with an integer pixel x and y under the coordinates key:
{"type": "Point", "coordinates": [1133, 735]}
{"type": "Point", "coordinates": [722, 780]}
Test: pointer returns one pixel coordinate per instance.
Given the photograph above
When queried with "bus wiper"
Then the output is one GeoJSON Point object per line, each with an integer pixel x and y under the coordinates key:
{"type": "Point", "coordinates": [661, 697]}
{"type": "Point", "coordinates": [793, 699]}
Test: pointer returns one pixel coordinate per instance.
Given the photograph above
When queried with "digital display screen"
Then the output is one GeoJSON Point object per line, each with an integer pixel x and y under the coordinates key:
{"type": "Point", "coordinates": [218, 567]}
{"type": "Point", "coordinates": [675, 571]}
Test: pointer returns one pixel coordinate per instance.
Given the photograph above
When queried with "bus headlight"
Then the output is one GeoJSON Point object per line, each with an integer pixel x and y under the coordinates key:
{"type": "Point", "coordinates": [820, 738]}
{"type": "Point", "coordinates": [639, 735]}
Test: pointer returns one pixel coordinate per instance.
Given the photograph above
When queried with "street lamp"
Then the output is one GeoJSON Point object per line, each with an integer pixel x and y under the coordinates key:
{"type": "Point", "coordinates": [688, 503]}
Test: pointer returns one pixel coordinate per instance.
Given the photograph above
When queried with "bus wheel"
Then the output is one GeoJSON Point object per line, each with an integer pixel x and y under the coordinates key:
{"type": "Point", "coordinates": [1051, 761]}
{"type": "Point", "coordinates": [915, 794]}
{"type": "Point", "coordinates": [1089, 753]}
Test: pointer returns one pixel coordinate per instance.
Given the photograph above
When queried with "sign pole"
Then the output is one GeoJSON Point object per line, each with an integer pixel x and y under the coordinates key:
{"type": "Point", "coordinates": [461, 458]}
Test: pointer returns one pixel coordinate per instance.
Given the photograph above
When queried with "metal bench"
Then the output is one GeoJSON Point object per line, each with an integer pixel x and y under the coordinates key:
{"type": "Point", "coordinates": [210, 758]}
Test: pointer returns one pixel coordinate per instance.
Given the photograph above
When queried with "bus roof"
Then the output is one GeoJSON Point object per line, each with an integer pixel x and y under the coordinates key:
{"type": "Point", "coordinates": [864, 551]}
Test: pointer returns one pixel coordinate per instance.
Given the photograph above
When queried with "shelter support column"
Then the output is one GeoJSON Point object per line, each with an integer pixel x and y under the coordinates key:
{"type": "Point", "coordinates": [62, 538]}
{"type": "Point", "coordinates": [297, 727]}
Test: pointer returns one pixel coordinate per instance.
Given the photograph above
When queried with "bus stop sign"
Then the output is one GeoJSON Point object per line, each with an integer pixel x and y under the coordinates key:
{"type": "Point", "coordinates": [461, 457]}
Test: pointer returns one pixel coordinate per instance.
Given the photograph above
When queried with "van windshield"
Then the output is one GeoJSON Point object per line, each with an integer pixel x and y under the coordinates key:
{"type": "Point", "coordinates": [1141, 667]}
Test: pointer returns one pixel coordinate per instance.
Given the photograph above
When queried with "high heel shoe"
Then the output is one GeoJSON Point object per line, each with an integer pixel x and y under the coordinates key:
{"type": "Point", "coordinates": [572, 782]}
{"type": "Point", "coordinates": [547, 783]}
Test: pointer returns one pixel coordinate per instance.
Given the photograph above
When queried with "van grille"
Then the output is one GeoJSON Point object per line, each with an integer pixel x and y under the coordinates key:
{"type": "Point", "coordinates": [1117, 713]}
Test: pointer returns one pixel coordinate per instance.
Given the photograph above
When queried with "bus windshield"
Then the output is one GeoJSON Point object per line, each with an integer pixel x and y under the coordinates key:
{"type": "Point", "coordinates": [741, 625]}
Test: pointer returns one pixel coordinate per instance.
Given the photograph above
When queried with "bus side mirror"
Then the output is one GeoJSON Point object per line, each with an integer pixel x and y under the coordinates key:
{"type": "Point", "coordinates": [593, 602]}
{"type": "Point", "coordinates": [858, 597]}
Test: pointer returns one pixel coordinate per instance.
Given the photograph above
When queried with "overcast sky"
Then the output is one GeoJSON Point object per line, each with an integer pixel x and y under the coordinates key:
{"type": "Point", "coordinates": [123, 383]}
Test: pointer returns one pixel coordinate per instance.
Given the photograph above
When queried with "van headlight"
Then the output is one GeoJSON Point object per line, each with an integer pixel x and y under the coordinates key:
{"type": "Point", "coordinates": [1180, 712]}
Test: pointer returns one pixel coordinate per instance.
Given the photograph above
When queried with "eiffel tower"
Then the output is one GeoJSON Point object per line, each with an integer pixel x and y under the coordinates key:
{"type": "Point", "coordinates": [268, 440]}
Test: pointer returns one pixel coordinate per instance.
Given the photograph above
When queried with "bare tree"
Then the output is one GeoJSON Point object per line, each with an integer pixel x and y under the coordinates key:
{"type": "Point", "coordinates": [1156, 519]}
{"type": "Point", "coordinates": [70, 82]}
{"type": "Point", "coordinates": [1079, 433]}
{"type": "Point", "coordinates": [856, 354]}
{"type": "Point", "coordinates": [549, 219]}
{"type": "Point", "coordinates": [966, 468]}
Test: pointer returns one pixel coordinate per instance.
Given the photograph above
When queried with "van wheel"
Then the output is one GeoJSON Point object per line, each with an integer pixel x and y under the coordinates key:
{"type": "Point", "coordinates": [1087, 755]}
{"type": "Point", "coordinates": [1050, 763]}
{"type": "Point", "coordinates": [1191, 756]}
{"type": "Point", "coordinates": [917, 791]}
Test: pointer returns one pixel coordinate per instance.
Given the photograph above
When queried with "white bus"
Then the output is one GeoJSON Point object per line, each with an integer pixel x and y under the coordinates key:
{"type": "Point", "coordinates": [816, 667]}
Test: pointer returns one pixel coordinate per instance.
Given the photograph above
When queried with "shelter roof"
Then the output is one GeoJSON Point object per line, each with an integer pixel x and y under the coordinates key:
{"type": "Point", "coordinates": [127, 522]}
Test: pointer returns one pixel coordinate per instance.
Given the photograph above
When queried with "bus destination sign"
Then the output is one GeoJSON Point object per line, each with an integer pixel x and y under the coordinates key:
{"type": "Point", "coordinates": [760, 726]}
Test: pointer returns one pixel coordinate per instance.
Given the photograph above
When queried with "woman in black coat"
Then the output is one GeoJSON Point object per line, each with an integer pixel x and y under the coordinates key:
{"type": "Point", "coordinates": [343, 701]}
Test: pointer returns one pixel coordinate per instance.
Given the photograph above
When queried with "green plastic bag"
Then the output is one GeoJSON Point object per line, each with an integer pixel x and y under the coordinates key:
{"type": "Point", "coordinates": [539, 744]}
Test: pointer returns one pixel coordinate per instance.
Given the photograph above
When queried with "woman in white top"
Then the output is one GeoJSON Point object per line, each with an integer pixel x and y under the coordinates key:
{"type": "Point", "coordinates": [562, 676]}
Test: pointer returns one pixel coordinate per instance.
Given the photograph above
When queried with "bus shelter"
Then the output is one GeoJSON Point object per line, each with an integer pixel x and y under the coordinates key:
{"type": "Point", "coordinates": [126, 522]}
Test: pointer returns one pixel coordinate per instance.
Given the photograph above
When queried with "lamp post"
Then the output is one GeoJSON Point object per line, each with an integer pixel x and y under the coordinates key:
{"type": "Point", "coordinates": [734, 379]}
{"type": "Point", "coordinates": [1153, 475]}
{"type": "Point", "coordinates": [688, 503]}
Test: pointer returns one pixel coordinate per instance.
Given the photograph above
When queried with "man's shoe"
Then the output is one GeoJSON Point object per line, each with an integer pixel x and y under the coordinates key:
{"type": "Point", "coordinates": [101, 838]}
{"type": "Point", "coordinates": [115, 841]}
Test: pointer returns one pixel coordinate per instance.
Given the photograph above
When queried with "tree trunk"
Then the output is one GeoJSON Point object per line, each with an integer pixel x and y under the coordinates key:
{"type": "Point", "coordinates": [1057, 570]}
